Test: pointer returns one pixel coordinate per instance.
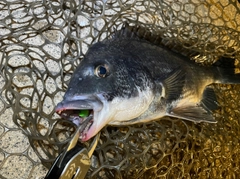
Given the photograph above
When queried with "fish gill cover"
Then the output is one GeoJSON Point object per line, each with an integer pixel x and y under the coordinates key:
{"type": "Point", "coordinates": [42, 42]}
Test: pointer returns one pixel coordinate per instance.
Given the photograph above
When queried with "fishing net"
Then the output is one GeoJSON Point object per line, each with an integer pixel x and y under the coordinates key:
{"type": "Point", "coordinates": [42, 42]}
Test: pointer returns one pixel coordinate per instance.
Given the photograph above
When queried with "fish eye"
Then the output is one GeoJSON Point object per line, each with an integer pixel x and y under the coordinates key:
{"type": "Point", "coordinates": [101, 71]}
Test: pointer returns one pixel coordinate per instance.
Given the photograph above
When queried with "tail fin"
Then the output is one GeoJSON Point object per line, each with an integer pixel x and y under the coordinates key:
{"type": "Point", "coordinates": [227, 72]}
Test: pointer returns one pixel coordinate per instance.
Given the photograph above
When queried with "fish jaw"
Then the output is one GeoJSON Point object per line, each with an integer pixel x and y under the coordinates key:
{"type": "Point", "coordinates": [69, 109]}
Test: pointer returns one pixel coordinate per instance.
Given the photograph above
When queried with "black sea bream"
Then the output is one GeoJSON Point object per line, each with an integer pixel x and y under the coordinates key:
{"type": "Point", "coordinates": [126, 80]}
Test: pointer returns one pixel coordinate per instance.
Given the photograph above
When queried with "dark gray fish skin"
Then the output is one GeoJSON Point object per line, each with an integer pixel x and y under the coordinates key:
{"type": "Point", "coordinates": [143, 82]}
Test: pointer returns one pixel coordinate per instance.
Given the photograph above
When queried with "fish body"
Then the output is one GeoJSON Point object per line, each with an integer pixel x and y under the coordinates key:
{"type": "Point", "coordinates": [127, 80]}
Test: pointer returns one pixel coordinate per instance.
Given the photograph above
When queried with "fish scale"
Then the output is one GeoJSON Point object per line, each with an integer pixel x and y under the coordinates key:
{"type": "Point", "coordinates": [143, 82]}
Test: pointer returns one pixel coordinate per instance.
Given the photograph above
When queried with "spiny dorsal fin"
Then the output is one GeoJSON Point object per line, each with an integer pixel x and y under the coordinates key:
{"type": "Point", "coordinates": [153, 36]}
{"type": "Point", "coordinates": [127, 32]}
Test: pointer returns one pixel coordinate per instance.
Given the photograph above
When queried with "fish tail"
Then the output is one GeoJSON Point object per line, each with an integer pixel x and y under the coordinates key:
{"type": "Point", "coordinates": [226, 71]}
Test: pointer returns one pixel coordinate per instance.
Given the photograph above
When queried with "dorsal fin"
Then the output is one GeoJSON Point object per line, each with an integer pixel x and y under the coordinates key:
{"type": "Point", "coordinates": [127, 32]}
{"type": "Point", "coordinates": [153, 36]}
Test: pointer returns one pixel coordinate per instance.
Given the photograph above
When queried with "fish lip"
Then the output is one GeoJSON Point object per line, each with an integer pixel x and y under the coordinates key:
{"type": "Point", "coordinates": [67, 106]}
{"type": "Point", "coordinates": [77, 104]}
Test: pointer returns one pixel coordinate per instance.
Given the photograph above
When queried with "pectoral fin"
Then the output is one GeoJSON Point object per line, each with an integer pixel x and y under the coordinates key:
{"type": "Point", "coordinates": [173, 85]}
{"type": "Point", "coordinates": [192, 113]}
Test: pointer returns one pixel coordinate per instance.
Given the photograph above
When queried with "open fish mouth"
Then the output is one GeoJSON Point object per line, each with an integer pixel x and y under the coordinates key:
{"type": "Point", "coordinates": [80, 112]}
{"type": "Point", "coordinates": [84, 121]}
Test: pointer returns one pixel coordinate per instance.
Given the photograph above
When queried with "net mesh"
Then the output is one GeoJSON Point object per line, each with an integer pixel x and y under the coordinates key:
{"type": "Point", "coordinates": [42, 42]}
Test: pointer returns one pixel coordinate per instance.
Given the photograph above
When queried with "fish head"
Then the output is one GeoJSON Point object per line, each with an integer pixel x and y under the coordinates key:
{"type": "Point", "coordinates": [110, 84]}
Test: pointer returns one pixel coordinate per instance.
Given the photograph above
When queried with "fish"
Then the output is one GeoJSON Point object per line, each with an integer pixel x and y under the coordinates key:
{"type": "Point", "coordinates": [127, 79]}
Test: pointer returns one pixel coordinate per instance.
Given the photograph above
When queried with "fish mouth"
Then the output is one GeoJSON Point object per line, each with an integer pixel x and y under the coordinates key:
{"type": "Point", "coordinates": [81, 112]}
